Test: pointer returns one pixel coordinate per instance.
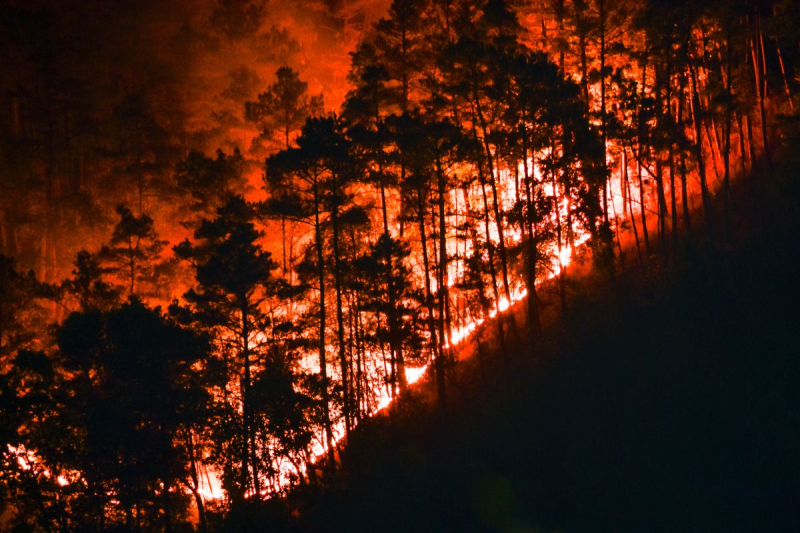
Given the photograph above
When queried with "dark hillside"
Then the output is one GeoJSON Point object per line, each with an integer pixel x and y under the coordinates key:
{"type": "Point", "coordinates": [252, 256]}
{"type": "Point", "coordinates": [670, 403]}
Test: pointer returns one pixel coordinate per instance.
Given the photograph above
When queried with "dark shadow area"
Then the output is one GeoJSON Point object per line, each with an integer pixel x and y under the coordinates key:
{"type": "Point", "coordinates": [667, 405]}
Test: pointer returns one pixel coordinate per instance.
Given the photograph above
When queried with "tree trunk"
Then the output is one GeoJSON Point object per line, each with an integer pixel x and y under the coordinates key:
{"type": "Point", "coordinates": [742, 149]}
{"type": "Point", "coordinates": [726, 182]}
{"type": "Point", "coordinates": [698, 131]}
{"type": "Point", "coordinates": [195, 486]}
{"type": "Point", "coordinates": [642, 209]}
{"type": "Point", "coordinates": [761, 85]}
{"type": "Point", "coordinates": [445, 319]}
{"type": "Point", "coordinates": [248, 453]}
{"type": "Point", "coordinates": [627, 185]}
{"type": "Point", "coordinates": [663, 117]}
{"type": "Point", "coordinates": [662, 204]}
{"type": "Point", "coordinates": [687, 217]}
{"type": "Point", "coordinates": [562, 282]}
{"type": "Point", "coordinates": [435, 346]}
{"type": "Point", "coordinates": [671, 154]}
{"type": "Point", "coordinates": [496, 199]}
{"type": "Point", "coordinates": [490, 249]}
{"type": "Point", "coordinates": [783, 73]}
{"type": "Point", "coordinates": [337, 267]}
{"type": "Point", "coordinates": [444, 288]}
{"type": "Point", "coordinates": [396, 351]}
{"type": "Point", "coordinates": [584, 69]}
{"type": "Point", "coordinates": [323, 365]}
{"type": "Point", "coordinates": [603, 134]}
{"type": "Point", "coordinates": [534, 322]}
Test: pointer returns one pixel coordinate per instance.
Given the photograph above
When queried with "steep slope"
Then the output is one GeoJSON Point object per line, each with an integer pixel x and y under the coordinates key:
{"type": "Point", "coordinates": [666, 401]}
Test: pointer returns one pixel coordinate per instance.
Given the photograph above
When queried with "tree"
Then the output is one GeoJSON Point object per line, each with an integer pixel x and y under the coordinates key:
{"type": "Point", "coordinates": [388, 292]}
{"type": "Point", "coordinates": [431, 150]}
{"type": "Point", "coordinates": [133, 251]}
{"type": "Point", "coordinates": [17, 294]}
{"type": "Point", "coordinates": [87, 285]}
{"type": "Point", "coordinates": [33, 439]}
{"type": "Point", "coordinates": [470, 82]}
{"type": "Point", "coordinates": [141, 144]}
{"type": "Point", "coordinates": [278, 113]}
{"type": "Point", "coordinates": [234, 280]}
{"type": "Point", "coordinates": [313, 178]}
{"type": "Point", "coordinates": [398, 47]}
{"type": "Point", "coordinates": [210, 181]}
{"type": "Point", "coordinates": [133, 385]}
{"type": "Point", "coordinates": [283, 108]}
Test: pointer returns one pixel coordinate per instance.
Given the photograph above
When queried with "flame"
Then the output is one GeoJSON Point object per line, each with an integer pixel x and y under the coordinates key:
{"type": "Point", "coordinates": [27, 460]}
{"type": "Point", "coordinates": [414, 374]}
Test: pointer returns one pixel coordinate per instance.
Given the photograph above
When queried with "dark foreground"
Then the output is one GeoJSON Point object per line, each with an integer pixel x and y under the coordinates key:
{"type": "Point", "coordinates": [667, 403]}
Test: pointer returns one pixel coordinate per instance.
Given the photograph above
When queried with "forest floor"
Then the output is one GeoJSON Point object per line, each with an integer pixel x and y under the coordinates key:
{"type": "Point", "coordinates": [666, 399]}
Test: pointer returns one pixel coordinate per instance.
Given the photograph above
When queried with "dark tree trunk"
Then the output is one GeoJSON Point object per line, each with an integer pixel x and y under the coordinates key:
{"type": "Point", "coordinates": [726, 191]}
{"type": "Point", "coordinates": [761, 88]}
{"type": "Point", "coordinates": [643, 209]}
{"type": "Point", "coordinates": [195, 486]}
{"type": "Point", "coordinates": [323, 364]}
{"type": "Point", "coordinates": [698, 131]}
{"type": "Point", "coordinates": [434, 342]}
{"type": "Point", "coordinates": [496, 199]}
{"type": "Point", "coordinates": [445, 320]}
{"type": "Point", "coordinates": [337, 267]}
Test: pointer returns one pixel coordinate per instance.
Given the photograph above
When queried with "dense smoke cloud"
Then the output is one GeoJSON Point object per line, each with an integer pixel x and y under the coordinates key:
{"type": "Point", "coordinates": [70, 66]}
{"type": "Point", "coordinates": [198, 60]}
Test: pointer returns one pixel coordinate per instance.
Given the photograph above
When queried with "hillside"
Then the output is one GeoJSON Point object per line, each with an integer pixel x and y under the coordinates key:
{"type": "Point", "coordinates": [407, 265]}
{"type": "Point", "coordinates": [668, 403]}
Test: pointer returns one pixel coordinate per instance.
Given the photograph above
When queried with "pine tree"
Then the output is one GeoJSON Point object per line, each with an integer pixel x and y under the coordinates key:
{"type": "Point", "coordinates": [314, 178]}
{"type": "Point", "coordinates": [210, 181]}
{"type": "Point", "coordinates": [234, 280]}
{"type": "Point", "coordinates": [87, 285]}
{"type": "Point", "coordinates": [134, 387]}
{"type": "Point", "coordinates": [18, 294]}
{"type": "Point", "coordinates": [133, 252]}
{"type": "Point", "coordinates": [283, 108]}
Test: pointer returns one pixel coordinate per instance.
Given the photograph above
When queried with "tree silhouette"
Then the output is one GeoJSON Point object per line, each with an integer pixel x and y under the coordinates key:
{"type": "Point", "coordinates": [133, 251]}
{"type": "Point", "coordinates": [314, 178]}
{"type": "Point", "coordinates": [234, 280]}
{"type": "Point", "coordinates": [141, 144]}
{"type": "Point", "coordinates": [283, 108]}
{"type": "Point", "coordinates": [210, 181]}
{"type": "Point", "coordinates": [279, 112]}
{"type": "Point", "coordinates": [134, 386]}
{"type": "Point", "coordinates": [18, 292]}
{"type": "Point", "coordinates": [87, 285]}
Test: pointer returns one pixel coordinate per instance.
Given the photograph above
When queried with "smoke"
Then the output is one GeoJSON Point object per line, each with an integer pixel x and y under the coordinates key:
{"type": "Point", "coordinates": [190, 56]}
{"type": "Point", "coordinates": [194, 63]}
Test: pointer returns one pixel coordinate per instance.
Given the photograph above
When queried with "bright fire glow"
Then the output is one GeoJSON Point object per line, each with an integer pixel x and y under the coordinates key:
{"type": "Point", "coordinates": [463, 329]}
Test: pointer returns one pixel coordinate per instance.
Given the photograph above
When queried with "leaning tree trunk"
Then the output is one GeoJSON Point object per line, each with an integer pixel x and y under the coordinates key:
{"type": "Point", "coordinates": [436, 347]}
{"type": "Point", "coordinates": [496, 199]}
{"type": "Point", "coordinates": [698, 131]}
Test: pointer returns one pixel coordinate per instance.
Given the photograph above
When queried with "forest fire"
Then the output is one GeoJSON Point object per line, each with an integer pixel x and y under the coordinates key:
{"type": "Point", "coordinates": [211, 487]}
{"type": "Point", "coordinates": [224, 248]}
